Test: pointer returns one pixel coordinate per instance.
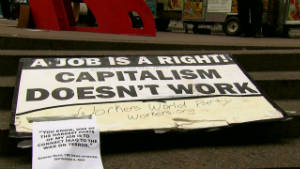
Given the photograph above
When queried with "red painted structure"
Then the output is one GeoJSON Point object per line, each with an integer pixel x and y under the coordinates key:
{"type": "Point", "coordinates": [112, 16]}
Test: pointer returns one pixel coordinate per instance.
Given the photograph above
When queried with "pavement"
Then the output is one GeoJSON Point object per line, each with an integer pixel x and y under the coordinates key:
{"type": "Point", "coordinates": [12, 37]}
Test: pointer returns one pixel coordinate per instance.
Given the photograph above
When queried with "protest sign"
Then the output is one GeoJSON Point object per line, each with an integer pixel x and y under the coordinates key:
{"type": "Point", "coordinates": [140, 92]}
{"type": "Point", "coordinates": [66, 144]}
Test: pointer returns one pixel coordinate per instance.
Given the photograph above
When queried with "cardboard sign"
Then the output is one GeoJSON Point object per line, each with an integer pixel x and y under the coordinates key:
{"type": "Point", "coordinates": [139, 92]}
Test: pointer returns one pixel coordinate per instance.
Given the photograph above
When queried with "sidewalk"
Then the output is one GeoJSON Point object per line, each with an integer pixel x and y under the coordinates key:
{"type": "Point", "coordinates": [16, 38]}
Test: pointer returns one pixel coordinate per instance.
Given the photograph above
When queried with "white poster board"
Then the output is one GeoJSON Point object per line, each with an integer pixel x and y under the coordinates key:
{"type": "Point", "coordinates": [140, 92]}
{"type": "Point", "coordinates": [66, 144]}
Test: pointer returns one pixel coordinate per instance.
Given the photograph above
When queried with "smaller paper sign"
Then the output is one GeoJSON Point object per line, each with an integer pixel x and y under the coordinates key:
{"type": "Point", "coordinates": [67, 144]}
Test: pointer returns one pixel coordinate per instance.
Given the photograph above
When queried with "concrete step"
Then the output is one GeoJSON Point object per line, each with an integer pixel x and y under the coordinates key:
{"type": "Point", "coordinates": [86, 53]}
{"type": "Point", "coordinates": [16, 43]}
{"type": "Point", "coordinates": [34, 39]}
{"type": "Point", "coordinates": [275, 75]}
{"type": "Point", "coordinates": [280, 89]}
{"type": "Point", "coordinates": [162, 152]}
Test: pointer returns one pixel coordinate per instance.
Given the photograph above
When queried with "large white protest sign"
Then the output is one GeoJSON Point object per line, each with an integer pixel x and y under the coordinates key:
{"type": "Point", "coordinates": [67, 144]}
{"type": "Point", "coordinates": [140, 92]}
